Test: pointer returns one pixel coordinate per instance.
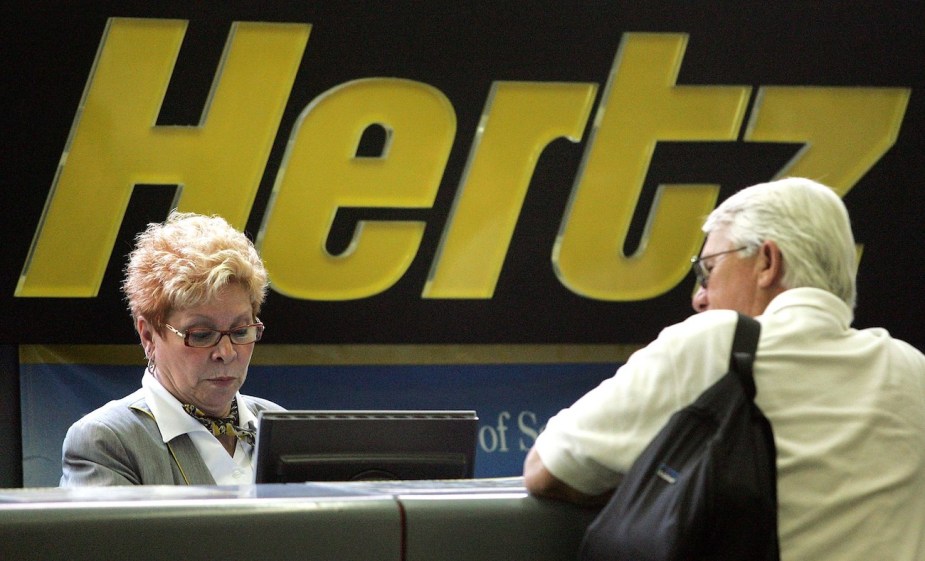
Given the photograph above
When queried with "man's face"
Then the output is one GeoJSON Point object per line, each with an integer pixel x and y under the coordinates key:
{"type": "Point", "coordinates": [731, 278]}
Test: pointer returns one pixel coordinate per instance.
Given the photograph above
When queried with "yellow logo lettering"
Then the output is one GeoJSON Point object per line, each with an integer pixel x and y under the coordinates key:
{"type": "Point", "coordinates": [844, 130]}
{"type": "Point", "coordinates": [321, 173]}
{"type": "Point", "coordinates": [641, 105]}
{"type": "Point", "coordinates": [114, 143]}
{"type": "Point", "coordinates": [519, 121]}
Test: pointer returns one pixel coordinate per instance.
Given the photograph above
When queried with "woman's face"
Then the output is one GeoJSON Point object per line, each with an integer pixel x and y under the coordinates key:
{"type": "Point", "coordinates": [205, 377]}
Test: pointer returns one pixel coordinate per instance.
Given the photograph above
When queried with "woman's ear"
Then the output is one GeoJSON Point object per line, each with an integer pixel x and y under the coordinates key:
{"type": "Point", "coordinates": [771, 263]}
{"type": "Point", "coordinates": [146, 334]}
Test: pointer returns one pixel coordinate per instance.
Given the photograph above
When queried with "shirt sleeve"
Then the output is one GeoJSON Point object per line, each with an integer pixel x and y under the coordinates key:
{"type": "Point", "coordinates": [590, 444]}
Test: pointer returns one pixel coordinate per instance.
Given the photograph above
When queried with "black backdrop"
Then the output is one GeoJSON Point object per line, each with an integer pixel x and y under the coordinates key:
{"type": "Point", "coordinates": [460, 49]}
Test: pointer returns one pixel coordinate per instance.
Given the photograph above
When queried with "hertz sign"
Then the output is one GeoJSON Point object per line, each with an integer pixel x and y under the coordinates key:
{"type": "Point", "coordinates": [839, 133]}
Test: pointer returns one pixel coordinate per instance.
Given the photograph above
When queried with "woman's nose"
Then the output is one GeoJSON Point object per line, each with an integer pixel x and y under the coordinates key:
{"type": "Point", "coordinates": [224, 350]}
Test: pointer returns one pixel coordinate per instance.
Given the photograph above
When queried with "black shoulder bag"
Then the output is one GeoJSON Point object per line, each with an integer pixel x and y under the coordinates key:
{"type": "Point", "coordinates": [706, 486]}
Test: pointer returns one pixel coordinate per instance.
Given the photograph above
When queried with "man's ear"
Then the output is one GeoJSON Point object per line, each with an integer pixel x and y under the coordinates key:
{"type": "Point", "coordinates": [771, 263]}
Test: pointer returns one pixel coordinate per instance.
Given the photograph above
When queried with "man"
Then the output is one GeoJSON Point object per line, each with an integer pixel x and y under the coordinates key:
{"type": "Point", "coordinates": [847, 406]}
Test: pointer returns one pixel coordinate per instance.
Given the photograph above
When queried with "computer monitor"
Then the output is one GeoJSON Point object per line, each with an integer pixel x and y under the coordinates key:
{"type": "Point", "coordinates": [301, 446]}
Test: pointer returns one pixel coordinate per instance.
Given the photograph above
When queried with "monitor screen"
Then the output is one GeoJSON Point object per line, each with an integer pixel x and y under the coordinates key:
{"type": "Point", "coordinates": [300, 446]}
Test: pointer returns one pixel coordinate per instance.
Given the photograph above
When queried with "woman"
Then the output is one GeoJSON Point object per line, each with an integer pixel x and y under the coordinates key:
{"type": "Point", "coordinates": [194, 286]}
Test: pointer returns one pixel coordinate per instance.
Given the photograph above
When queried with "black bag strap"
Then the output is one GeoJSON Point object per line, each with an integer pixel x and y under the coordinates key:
{"type": "Point", "coordinates": [742, 357]}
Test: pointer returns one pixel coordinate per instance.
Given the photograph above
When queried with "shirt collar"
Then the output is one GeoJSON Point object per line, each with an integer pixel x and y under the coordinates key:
{"type": "Point", "coordinates": [814, 298]}
{"type": "Point", "coordinates": [168, 412]}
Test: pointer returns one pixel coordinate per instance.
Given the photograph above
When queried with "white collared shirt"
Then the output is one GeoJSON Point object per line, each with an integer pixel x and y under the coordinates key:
{"type": "Point", "coordinates": [173, 421]}
{"type": "Point", "coordinates": [847, 407]}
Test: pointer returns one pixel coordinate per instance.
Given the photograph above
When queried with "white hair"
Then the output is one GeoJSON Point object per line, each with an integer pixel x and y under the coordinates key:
{"type": "Point", "coordinates": [807, 221]}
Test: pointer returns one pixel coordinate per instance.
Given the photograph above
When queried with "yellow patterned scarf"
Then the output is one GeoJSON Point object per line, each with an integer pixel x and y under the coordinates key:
{"type": "Point", "coordinates": [222, 425]}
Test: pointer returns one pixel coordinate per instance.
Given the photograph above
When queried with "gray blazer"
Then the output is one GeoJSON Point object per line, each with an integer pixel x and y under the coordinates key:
{"type": "Point", "coordinates": [120, 444]}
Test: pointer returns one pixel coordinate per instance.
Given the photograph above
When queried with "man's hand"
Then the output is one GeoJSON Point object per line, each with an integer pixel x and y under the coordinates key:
{"type": "Point", "coordinates": [541, 483]}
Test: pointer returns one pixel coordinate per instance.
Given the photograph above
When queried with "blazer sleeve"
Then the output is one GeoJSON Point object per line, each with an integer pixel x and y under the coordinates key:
{"type": "Point", "coordinates": [94, 454]}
